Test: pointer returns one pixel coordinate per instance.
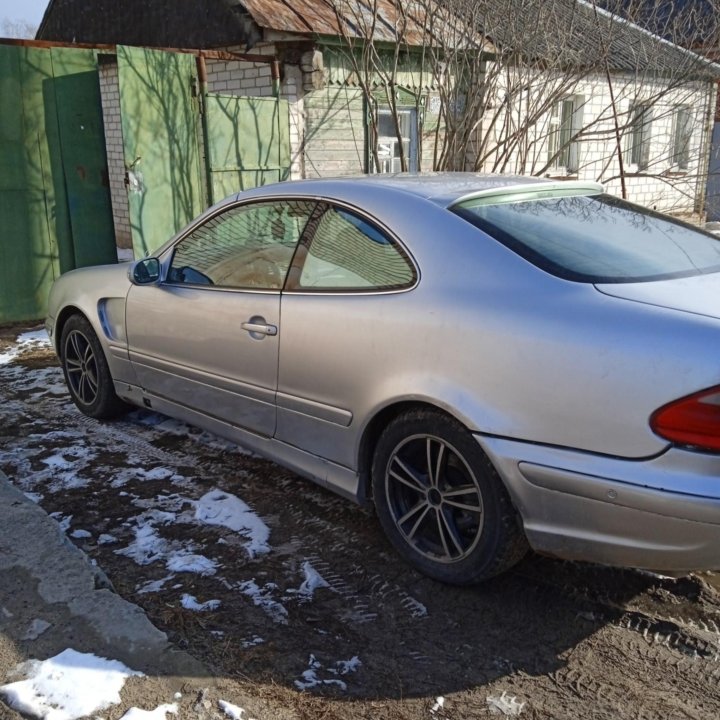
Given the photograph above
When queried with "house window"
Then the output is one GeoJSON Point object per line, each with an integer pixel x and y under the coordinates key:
{"type": "Point", "coordinates": [638, 149]}
{"type": "Point", "coordinates": [682, 131]}
{"type": "Point", "coordinates": [389, 140]}
{"type": "Point", "coordinates": [565, 124]}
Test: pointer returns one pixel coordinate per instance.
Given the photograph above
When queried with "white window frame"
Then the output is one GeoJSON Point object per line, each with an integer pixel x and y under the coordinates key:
{"type": "Point", "coordinates": [566, 119]}
{"type": "Point", "coordinates": [387, 145]}
{"type": "Point", "coordinates": [681, 138]}
{"type": "Point", "coordinates": [639, 136]}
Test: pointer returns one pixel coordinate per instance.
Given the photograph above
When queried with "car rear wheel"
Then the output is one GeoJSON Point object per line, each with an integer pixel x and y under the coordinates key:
{"type": "Point", "coordinates": [86, 371]}
{"type": "Point", "coordinates": [441, 502]}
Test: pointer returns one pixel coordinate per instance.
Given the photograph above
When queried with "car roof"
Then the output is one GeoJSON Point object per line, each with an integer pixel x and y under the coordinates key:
{"type": "Point", "coordinates": [444, 189]}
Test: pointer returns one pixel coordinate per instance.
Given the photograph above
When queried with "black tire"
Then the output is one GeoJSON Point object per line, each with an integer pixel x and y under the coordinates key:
{"type": "Point", "coordinates": [441, 502]}
{"type": "Point", "coordinates": [86, 371]}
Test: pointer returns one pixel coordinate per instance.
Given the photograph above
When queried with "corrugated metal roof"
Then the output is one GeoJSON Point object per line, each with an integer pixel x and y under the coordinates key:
{"type": "Point", "coordinates": [571, 33]}
{"type": "Point", "coordinates": [564, 32]}
{"type": "Point", "coordinates": [385, 20]}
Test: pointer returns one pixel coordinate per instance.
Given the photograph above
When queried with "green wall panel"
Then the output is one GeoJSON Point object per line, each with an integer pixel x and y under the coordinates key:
{"type": "Point", "coordinates": [28, 245]}
{"type": "Point", "coordinates": [160, 125]}
{"type": "Point", "coordinates": [248, 142]}
{"type": "Point", "coordinates": [83, 160]}
{"type": "Point", "coordinates": [49, 225]}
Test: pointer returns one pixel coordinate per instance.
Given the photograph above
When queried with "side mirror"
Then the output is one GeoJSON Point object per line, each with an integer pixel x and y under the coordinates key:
{"type": "Point", "coordinates": [145, 272]}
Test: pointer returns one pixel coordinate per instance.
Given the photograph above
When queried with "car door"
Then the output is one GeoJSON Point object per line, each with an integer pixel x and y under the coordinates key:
{"type": "Point", "coordinates": [342, 309]}
{"type": "Point", "coordinates": [206, 337]}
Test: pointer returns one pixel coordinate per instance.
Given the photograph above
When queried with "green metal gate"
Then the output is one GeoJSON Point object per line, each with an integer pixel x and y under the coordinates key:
{"type": "Point", "coordinates": [54, 198]}
{"type": "Point", "coordinates": [161, 135]}
{"type": "Point", "coordinates": [247, 141]}
{"type": "Point", "coordinates": [83, 157]}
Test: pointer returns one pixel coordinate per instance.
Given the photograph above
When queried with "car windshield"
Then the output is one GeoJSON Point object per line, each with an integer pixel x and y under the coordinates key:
{"type": "Point", "coordinates": [595, 238]}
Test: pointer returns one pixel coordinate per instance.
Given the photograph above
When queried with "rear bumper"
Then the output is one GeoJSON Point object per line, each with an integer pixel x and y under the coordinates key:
{"type": "Point", "coordinates": [661, 514]}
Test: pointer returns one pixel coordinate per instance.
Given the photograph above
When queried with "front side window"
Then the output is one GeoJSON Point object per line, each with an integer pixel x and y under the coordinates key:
{"type": "Point", "coordinates": [596, 238]}
{"type": "Point", "coordinates": [565, 124]}
{"type": "Point", "coordinates": [391, 139]}
{"type": "Point", "coordinates": [250, 246]}
{"type": "Point", "coordinates": [346, 252]}
{"type": "Point", "coordinates": [638, 149]}
{"type": "Point", "coordinates": [682, 132]}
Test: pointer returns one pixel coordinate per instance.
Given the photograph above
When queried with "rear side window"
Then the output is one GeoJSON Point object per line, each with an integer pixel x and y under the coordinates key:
{"type": "Point", "coordinates": [346, 252]}
{"type": "Point", "coordinates": [596, 238]}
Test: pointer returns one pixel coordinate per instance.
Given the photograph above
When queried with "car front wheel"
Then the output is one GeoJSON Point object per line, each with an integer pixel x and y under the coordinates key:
{"type": "Point", "coordinates": [441, 502]}
{"type": "Point", "coordinates": [86, 370]}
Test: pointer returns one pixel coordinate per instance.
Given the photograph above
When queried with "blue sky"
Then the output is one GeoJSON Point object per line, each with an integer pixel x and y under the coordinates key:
{"type": "Point", "coordinates": [30, 10]}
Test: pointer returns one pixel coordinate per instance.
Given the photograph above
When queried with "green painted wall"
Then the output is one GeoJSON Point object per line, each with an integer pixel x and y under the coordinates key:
{"type": "Point", "coordinates": [48, 167]}
{"type": "Point", "coordinates": [161, 135]}
{"type": "Point", "coordinates": [248, 142]}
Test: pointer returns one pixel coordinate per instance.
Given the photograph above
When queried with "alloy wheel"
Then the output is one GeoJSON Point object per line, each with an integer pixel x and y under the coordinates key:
{"type": "Point", "coordinates": [81, 367]}
{"type": "Point", "coordinates": [434, 498]}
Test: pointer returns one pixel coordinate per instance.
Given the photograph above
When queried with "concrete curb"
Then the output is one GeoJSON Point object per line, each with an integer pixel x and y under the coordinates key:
{"type": "Point", "coordinates": [46, 578]}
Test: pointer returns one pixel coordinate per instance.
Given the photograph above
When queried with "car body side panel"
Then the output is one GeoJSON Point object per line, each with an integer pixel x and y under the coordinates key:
{"type": "Point", "coordinates": [98, 293]}
{"type": "Point", "coordinates": [187, 345]}
{"type": "Point", "coordinates": [327, 474]}
{"type": "Point", "coordinates": [510, 351]}
{"type": "Point", "coordinates": [660, 514]}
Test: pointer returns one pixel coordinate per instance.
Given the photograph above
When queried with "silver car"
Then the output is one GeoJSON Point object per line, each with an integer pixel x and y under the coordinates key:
{"type": "Point", "coordinates": [492, 362]}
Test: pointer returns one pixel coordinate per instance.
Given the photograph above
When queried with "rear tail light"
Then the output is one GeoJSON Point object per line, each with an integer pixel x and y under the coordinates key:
{"type": "Point", "coordinates": [691, 420]}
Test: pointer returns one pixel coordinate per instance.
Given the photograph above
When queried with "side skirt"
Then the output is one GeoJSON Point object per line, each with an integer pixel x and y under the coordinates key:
{"type": "Point", "coordinates": [337, 478]}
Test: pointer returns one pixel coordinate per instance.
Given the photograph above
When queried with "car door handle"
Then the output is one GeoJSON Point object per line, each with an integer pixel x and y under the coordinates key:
{"type": "Point", "coordinates": [259, 328]}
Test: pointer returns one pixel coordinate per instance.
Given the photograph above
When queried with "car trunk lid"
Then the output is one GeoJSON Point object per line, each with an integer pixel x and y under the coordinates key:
{"type": "Point", "coordinates": [699, 295]}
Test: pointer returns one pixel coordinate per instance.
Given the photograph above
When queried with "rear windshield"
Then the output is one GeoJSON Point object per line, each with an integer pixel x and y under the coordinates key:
{"type": "Point", "coordinates": [597, 238]}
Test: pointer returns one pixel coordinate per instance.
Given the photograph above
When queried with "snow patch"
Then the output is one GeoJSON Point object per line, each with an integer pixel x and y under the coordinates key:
{"type": "Point", "coordinates": [106, 539]}
{"type": "Point", "coordinates": [439, 705]}
{"type": "Point", "coordinates": [26, 341]}
{"type": "Point", "coordinates": [122, 477]}
{"type": "Point", "coordinates": [252, 642]}
{"type": "Point", "coordinates": [57, 462]}
{"type": "Point", "coordinates": [504, 704]}
{"type": "Point", "coordinates": [313, 581]}
{"type": "Point", "coordinates": [232, 711]}
{"type": "Point", "coordinates": [37, 627]}
{"type": "Point", "coordinates": [152, 586]}
{"type": "Point", "coordinates": [68, 686]}
{"type": "Point", "coordinates": [221, 508]}
{"type": "Point", "coordinates": [46, 381]}
{"type": "Point", "coordinates": [149, 547]}
{"type": "Point", "coordinates": [415, 607]}
{"type": "Point", "coordinates": [310, 677]}
{"type": "Point", "coordinates": [159, 713]}
{"type": "Point", "coordinates": [190, 602]}
{"type": "Point", "coordinates": [191, 563]}
{"type": "Point", "coordinates": [80, 534]}
{"type": "Point", "coordinates": [262, 598]}
{"type": "Point", "coordinates": [64, 521]}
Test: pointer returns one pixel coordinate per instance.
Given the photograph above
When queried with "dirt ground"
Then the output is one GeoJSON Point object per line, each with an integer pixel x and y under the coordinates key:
{"type": "Point", "coordinates": [548, 640]}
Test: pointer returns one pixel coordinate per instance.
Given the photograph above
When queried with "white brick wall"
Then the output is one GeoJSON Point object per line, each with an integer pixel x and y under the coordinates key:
{"type": "Point", "coordinates": [110, 97]}
{"type": "Point", "coordinates": [659, 186]}
{"type": "Point", "coordinates": [335, 137]}
{"type": "Point", "coordinates": [236, 77]}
